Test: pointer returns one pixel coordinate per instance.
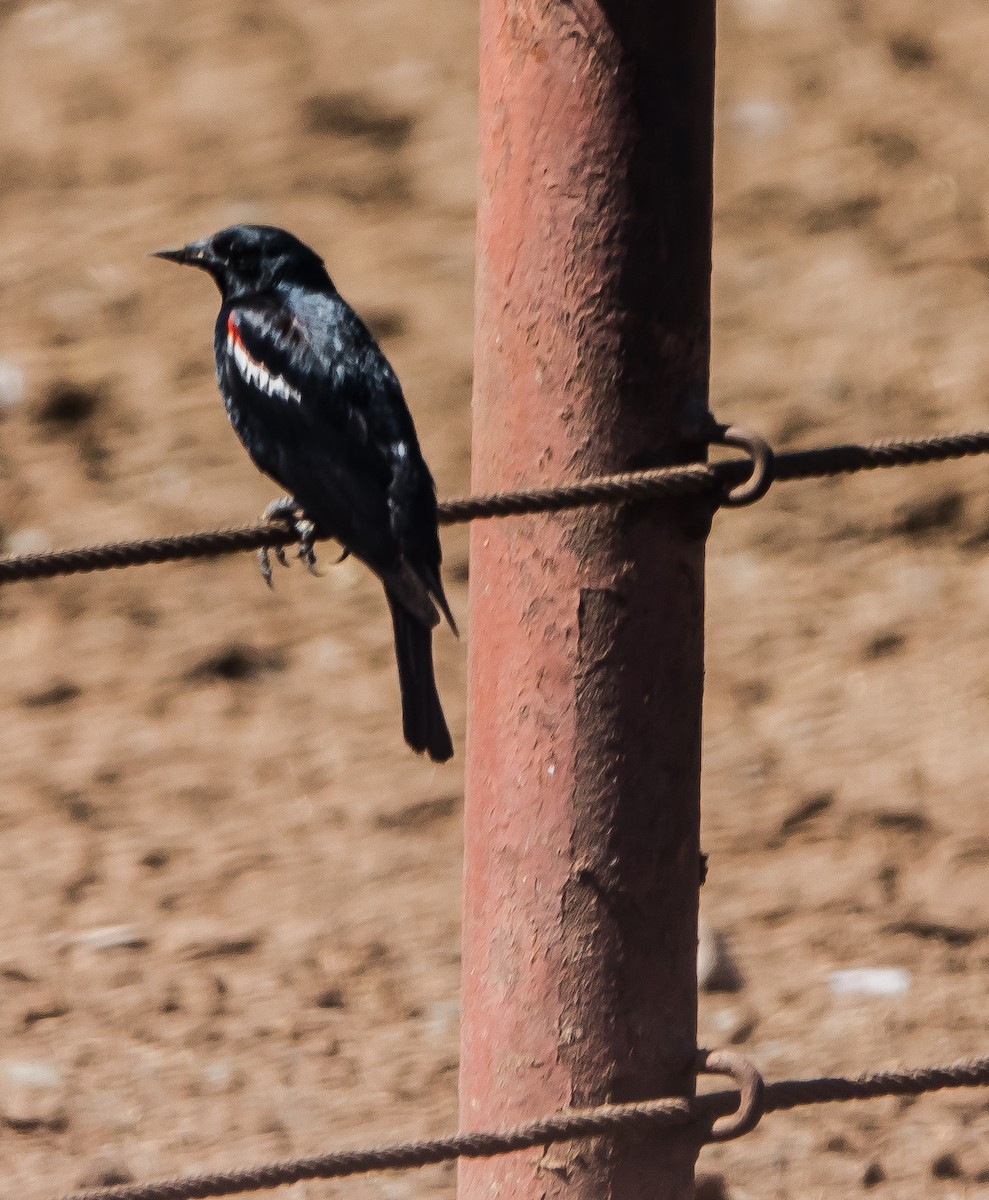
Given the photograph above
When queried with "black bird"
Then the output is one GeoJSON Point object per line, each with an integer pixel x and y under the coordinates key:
{"type": "Point", "coordinates": [319, 409]}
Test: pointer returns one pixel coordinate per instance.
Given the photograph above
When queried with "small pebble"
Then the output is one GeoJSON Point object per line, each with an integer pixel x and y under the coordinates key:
{"type": "Point", "coordinates": [764, 14]}
{"type": "Point", "coordinates": [946, 1166]}
{"type": "Point", "coordinates": [442, 1018]}
{"type": "Point", "coordinates": [734, 1025]}
{"type": "Point", "coordinates": [107, 937]}
{"type": "Point", "coordinates": [34, 1073]}
{"type": "Point", "coordinates": [220, 945]}
{"type": "Point", "coordinates": [873, 1175]}
{"type": "Point", "coordinates": [11, 384]}
{"type": "Point", "coordinates": [717, 970]}
{"type": "Point", "coordinates": [113, 937]}
{"type": "Point", "coordinates": [44, 1005]}
{"type": "Point", "coordinates": [106, 1172]}
{"type": "Point", "coordinates": [758, 117]}
{"type": "Point", "coordinates": [27, 541]}
{"type": "Point", "coordinates": [223, 1076]}
{"type": "Point", "coordinates": [870, 981]}
{"type": "Point", "coordinates": [14, 972]}
{"type": "Point", "coordinates": [330, 997]}
{"type": "Point", "coordinates": [32, 1096]}
{"type": "Point", "coordinates": [171, 485]}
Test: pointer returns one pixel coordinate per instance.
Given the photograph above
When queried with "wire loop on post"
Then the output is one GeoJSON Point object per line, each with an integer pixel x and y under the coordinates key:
{"type": "Point", "coordinates": [751, 1086]}
{"type": "Point", "coordinates": [763, 465]}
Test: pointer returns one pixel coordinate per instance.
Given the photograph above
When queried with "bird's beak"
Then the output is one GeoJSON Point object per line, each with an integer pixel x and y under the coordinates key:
{"type": "Point", "coordinates": [196, 254]}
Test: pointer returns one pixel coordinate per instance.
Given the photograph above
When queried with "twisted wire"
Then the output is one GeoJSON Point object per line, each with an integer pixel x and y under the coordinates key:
{"type": "Point", "coordinates": [696, 479]}
{"type": "Point", "coordinates": [652, 1116]}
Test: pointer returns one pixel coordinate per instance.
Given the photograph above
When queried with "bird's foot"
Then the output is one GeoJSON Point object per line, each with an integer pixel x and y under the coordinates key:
{"type": "Point", "coordinates": [286, 511]}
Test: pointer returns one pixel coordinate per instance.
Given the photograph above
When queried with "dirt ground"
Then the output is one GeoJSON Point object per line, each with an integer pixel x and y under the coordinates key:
{"type": "Point", "coordinates": [231, 926]}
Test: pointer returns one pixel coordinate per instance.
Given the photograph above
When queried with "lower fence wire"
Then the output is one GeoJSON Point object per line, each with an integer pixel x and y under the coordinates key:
{"type": "Point", "coordinates": [713, 480]}
{"type": "Point", "coordinates": [700, 1114]}
{"type": "Point", "coordinates": [704, 1115]}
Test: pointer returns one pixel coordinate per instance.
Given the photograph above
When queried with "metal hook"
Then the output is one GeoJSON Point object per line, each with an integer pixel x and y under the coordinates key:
{"type": "Point", "coordinates": [750, 1084]}
{"type": "Point", "coordinates": [761, 454]}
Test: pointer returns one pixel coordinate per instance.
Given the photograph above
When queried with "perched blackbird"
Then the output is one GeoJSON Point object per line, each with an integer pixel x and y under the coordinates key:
{"type": "Point", "coordinates": [319, 409]}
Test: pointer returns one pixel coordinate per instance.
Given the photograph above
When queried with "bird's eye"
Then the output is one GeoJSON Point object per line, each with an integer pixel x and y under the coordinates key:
{"type": "Point", "coordinates": [235, 253]}
{"type": "Point", "coordinates": [245, 258]}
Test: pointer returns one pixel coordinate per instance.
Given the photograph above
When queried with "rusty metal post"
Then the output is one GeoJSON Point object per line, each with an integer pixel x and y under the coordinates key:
{"type": "Point", "coordinates": [586, 630]}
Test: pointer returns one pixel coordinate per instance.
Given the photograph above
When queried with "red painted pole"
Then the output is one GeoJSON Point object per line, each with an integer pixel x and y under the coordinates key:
{"type": "Point", "coordinates": [582, 807]}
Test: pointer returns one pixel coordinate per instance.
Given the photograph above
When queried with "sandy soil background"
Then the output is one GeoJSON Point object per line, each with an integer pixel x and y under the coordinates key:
{"type": "Point", "coordinates": [230, 922]}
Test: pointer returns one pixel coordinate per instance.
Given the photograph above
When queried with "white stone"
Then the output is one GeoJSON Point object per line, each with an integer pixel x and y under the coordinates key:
{"type": "Point", "coordinates": [870, 981]}
{"type": "Point", "coordinates": [717, 970]}
{"type": "Point", "coordinates": [11, 384]}
{"type": "Point", "coordinates": [759, 117]}
{"type": "Point", "coordinates": [32, 1073]}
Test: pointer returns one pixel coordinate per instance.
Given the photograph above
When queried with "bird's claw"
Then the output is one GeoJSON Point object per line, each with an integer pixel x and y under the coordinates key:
{"type": "Point", "coordinates": [286, 511]}
{"type": "Point", "coordinates": [264, 563]}
{"type": "Point", "coordinates": [306, 531]}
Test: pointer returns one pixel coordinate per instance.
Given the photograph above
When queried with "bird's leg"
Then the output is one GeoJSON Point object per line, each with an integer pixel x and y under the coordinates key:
{"type": "Point", "coordinates": [286, 510]}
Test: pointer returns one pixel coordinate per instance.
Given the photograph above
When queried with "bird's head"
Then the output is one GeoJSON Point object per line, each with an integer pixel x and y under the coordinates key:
{"type": "Point", "coordinates": [251, 258]}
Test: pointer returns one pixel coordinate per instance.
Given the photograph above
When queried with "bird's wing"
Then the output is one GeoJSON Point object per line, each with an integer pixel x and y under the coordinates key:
{"type": "Point", "coordinates": [341, 438]}
{"type": "Point", "coordinates": [300, 370]}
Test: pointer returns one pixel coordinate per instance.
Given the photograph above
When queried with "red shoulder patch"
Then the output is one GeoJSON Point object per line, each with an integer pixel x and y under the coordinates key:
{"type": "Point", "coordinates": [255, 372]}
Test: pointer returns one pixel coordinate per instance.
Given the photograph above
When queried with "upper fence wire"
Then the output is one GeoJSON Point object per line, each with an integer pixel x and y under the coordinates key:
{"type": "Point", "coordinates": [719, 481]}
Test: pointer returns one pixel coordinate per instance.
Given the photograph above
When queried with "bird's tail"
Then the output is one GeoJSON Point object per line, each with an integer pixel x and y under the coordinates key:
{"type": "Point", "coordinates": [423, 722]}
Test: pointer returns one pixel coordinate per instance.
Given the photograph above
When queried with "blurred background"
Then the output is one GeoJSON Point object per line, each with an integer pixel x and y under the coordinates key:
{"type": "Point", "coordinates": [232, 895]}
